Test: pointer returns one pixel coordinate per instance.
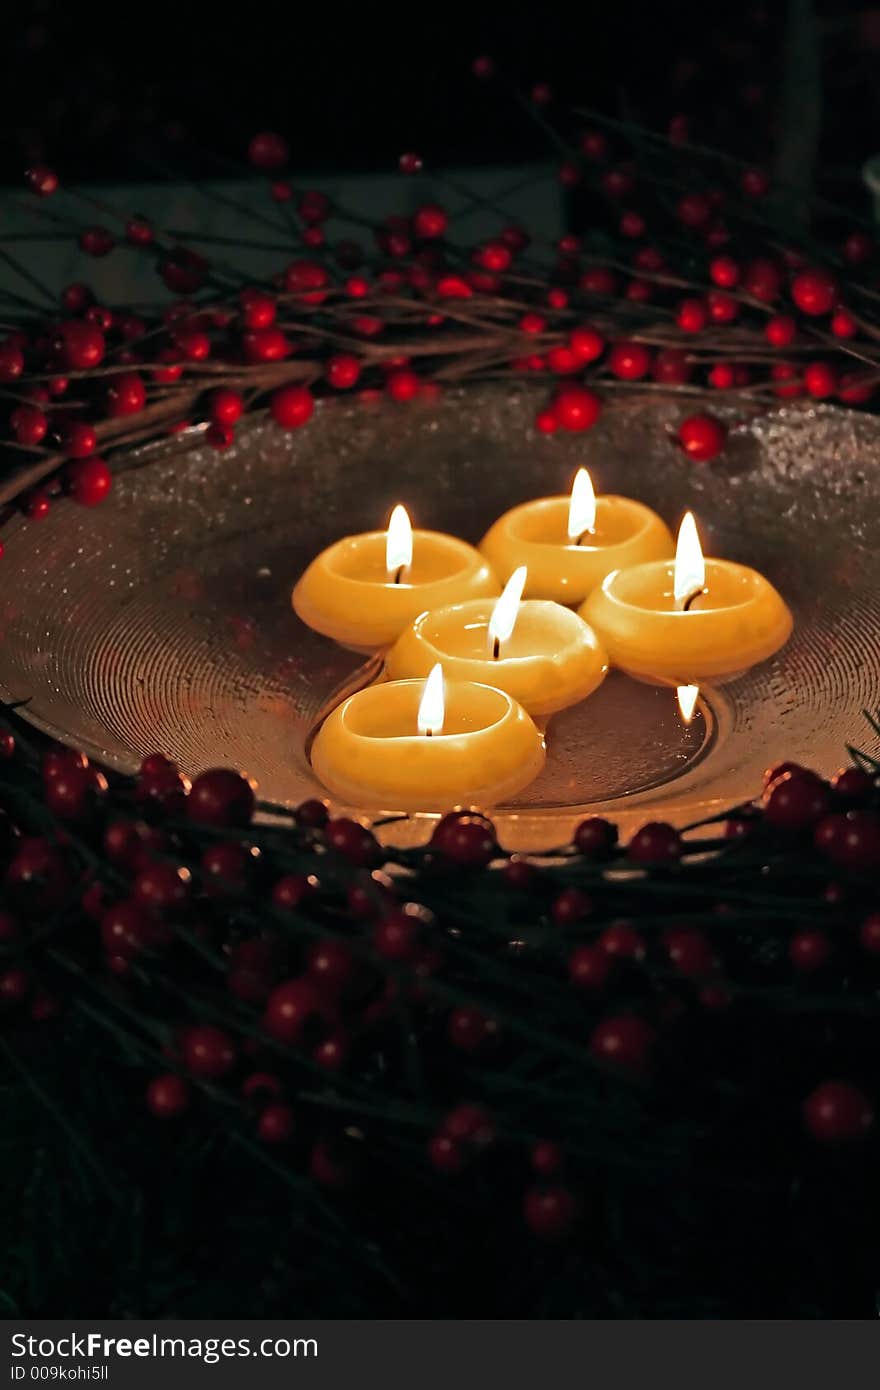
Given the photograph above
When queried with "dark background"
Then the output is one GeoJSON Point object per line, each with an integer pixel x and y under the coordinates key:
{"type": "Point", "coordinates": [118, 92]}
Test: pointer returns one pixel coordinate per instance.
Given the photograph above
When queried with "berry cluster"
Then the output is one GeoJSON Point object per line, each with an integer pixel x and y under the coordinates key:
{"type": "Point", "coordinates": [681, 295]}
{"type": "Point", "coordinates": [263, 957]}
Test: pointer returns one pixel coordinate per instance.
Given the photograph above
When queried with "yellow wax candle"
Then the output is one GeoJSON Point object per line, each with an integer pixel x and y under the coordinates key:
{"type": "Point", "coordinates": [426, 745]}
{"type": "Point", "coordinates": [364, 590]}
{"type": "Point", "coordinates": [692, 621]}
{"type": "Point", "coordinates": [570, 543]}
{"type": "Point", "coordinates": [542, 654]}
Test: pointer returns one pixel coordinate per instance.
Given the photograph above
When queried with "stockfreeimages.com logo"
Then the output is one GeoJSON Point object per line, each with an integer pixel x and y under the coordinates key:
{"type": "Point", "coordinates": [92, 1346]}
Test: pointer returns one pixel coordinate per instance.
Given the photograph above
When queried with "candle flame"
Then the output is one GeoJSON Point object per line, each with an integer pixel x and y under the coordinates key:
{"type": "Point", "coordinates": [687, 701]}
{"type": "Point", "coordinates": [582, 508]}
{"type": "Point", "coordinates": [503, 619]}
{"type": "Point", "coordinates": [690, 568]}
{"type": "Point", "coordinates": [432, 706]}
{"type": "Point", "coordinates": [399, 542]}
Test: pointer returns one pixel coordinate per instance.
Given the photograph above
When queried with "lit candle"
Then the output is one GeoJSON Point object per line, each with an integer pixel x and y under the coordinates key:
{"type": "Point", "coordinates": [364, 590]}
{"type": "Point", "coordinates": [689, 622]}
{"type": "Point", "coordinates": [542, 654]}
{"type": "Point", "coordinates": [570, 543]}
{"type": "Point", "coordinates": [425, 745]}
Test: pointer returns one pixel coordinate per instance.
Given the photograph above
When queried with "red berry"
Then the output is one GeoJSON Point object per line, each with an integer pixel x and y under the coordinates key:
{"type": "Point", "coordinates": [672, 367]}
{"type": "Point", "coordinates": [343, 371]}
{"type": "Point", "coordinates": [168, 1096]}
{"type": "Point", "coordinates": [702, 437]}
{"type": "Point", "coordinates": [352, 841]}
{"type": "Point", "coordinates": [258, 309]}
{"type": "Point", "coordinates": [220, 797]}
{"type": "Point", "coordinates": [597, 279]}
{"type": "Point", "coordinates": [11, 361]}
{"type": "Point", "coordinates": [312, 814]}
{"type": "Point", "coordinates": [519, 875]}
{"type": "Point", "coordinates": [722, 376]}
{"type": "Point", "coordinates": [403, 384]}
{"type": "Point", "coordinates": [126, 930]}
{"type": "Point", "coordinates": [632, 225]}
{"type": "Point", "coordinates": [162, 887]}
{"type": "Point", "coordinates": [266, 345]}
{"type": "Point", "coordinates": [587, 343]}
{"type": "Point", "coordinates": [855, 845]}
{"type": "Point", "coordinates": [291, 406]}
{"type": "Point", "coordinates": [795, 801]}
{"type": "Point", "coordinates": [470, 1030]}
{"type": "Point", "coordinates": [594, 145]}
{"type": "Point", "coordinates": [88, 480]}
{"type": "Point", "coordinates": [837, 1111]}
{"type": "Point", "coordinates": [465, 839]}
{"type": "Point", "coordinates": [29, 424]}
{"type": "Point", "coordinates": [469, 1124]}
{"type": "Point", "coordinates": [550, 1212]}
{"type": "Point", "coordinates": [276, 1124]}
{"type": "Point", "coordinates": [780, 330]}
{"type": "Point", "coordinates": [138, 231]}
{"type": "Point", "coordinates": [291, 1007]}
{"type": "Point", "coordinates": [546, 422]}
{"type": "Point", "coordinates": [193, 344]}
{"type": "Point", "coordinates": [207, 1051]}
{"type": "Point", "coordinates": [96, 241]}
{"type": "Point", "coordinates": [430, 221]}
{"type": "Point", "coordinates": [226, 867]}
{"type": "Point", "coordinates": [724, 272]}
{"type": "Point", "coordinates": [618, 183]}
{"type": "Point", "coordinates": [74, 793]}
{"type": "Point", "coordinates": [42, 180]}
{"type": "Point", "coordinates": [225, 406]}
{"type": "Point", "coordinates": [78, 439]}
{"type": "Point", "coordinates": [589, 967]}
{"type": "Point", "coordinates": [307, 280]}
{"type": "Point", "coordinates": [858, 248]}
{"type": "Point", "coordinates": [621, 941]}
{"type": "Point", "coordinates": [869, 933]}
{"type": "Point", "coordinates": [446, 1155]}
{"type": "Point", "coordinates": [814, 292]}
{"type": "Point", "coordinates": [723, 308]}
{"type": "Point", "coordinates": [693, 210]}
{"type": "Point", "coordinates": [809, 950]}
{"type": "Point", "coordinates": [820, 379]}
{"type": "Point", "coordinates": [268, 151]}
{"type": "Point", "coordinates": [126, 395]}
{"type": "Point", "coordinates": [629, 361]}
{"type": "Point", "coordinates": [625, 1042]}
{"type": "Point", "coordinates": [656, 843]}
{"type": "Point", "coordinates": [546, 1158]}
{"type": "Point", "coordinates": [331, 965]}
{"type": "Point", "coordinates": [690, 951]}
{"type": "Point", "coordinates": [754, 183]}
{"type": "Point", "coordinates": [563, 361]}
{"type": "Point", "coordinates": [852, 785]}
{"type": "Point", "coordinates": [691, 315]}
{"type": "Point", "coordinates": [843, 324]}
{"type": "Point", "coordinates": [762, 280]}
{"type": "Point", "coordinates": [397, 936]}
{"type": "Point", "coordinates": [570, 906]}
{"type": "Point", "coordinates": [576, 408]}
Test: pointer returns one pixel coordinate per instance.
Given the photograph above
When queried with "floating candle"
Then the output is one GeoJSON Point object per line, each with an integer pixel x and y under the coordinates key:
{"type": "Point", "coordinates": [364, 590]}
{"type": "Point", "coordinates": [424, 745]}
{"type": "Point", "coordinates": [570, 543]}
{"type": "Point", "coordinates": [689, 622]}
{"type": "Point", "coordinates": [542, 654]}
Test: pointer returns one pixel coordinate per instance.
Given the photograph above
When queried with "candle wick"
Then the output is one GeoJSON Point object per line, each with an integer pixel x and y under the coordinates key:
{"type": "Point", "coordinates": [399, 573]}
{"type": "Point", "coordinates": [686, 606]}
{"type": "Point", "coordinates": [496, 649]}
{"type": "Point", "coordinates": [429, 733]}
